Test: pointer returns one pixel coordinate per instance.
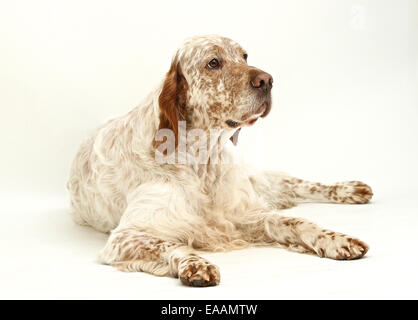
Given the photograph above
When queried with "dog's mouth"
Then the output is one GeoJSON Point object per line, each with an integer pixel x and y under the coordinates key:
{"type": "Point", "coordinates": [250, 118]}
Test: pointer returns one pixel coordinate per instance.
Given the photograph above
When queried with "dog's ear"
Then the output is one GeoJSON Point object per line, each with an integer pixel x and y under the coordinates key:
{"type": "Point", "coordinates": [172, 100]}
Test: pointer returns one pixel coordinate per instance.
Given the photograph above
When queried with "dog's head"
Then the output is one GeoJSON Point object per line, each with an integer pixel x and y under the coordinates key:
{"type": "Point", "coordinates": [210, 85]}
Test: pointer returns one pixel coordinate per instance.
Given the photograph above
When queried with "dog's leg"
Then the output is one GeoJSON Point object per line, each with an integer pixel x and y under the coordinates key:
{"type": "Point", "coordinates": [341, 192]}
{"type": "Point", "coordinates": [282, 191]}
{"type": "Point", "coordinates": [153, 235]}
{"type": "Point", "coordinates": [131, 250]}
{"type": "Point", "coordinates": [304, 236]}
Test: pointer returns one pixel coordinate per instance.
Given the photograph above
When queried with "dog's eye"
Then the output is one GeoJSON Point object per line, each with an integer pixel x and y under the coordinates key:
{"type": "Point", "coordinates": [232, 123]}
{"type": "Point", "coordinates": [214, 64]}
{"type": "Point", "coordinates": [245, 56]}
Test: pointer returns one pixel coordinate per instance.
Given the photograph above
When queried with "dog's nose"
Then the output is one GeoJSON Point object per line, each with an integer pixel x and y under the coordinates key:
{"type": "Point", "coordinates": [263, 81]}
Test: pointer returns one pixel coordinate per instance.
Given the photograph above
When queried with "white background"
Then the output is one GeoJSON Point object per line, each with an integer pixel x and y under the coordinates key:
{"type": "Point", "coordinates": [345, 108]}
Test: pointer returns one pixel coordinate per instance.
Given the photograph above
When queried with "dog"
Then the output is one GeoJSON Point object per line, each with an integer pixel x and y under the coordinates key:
{"type": "Point", "coordinates": [163, 198]}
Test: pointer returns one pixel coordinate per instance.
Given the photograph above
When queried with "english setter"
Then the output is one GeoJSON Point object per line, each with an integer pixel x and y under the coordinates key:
{"type": "Point", "coordinates": [159, 213]}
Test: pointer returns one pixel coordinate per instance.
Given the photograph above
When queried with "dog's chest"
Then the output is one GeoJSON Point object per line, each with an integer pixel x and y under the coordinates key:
{"type": "Point", "coordinates": [226, 189]}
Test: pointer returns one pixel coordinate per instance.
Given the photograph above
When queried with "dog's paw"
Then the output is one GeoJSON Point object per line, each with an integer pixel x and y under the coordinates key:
{"type": "Point", "coordinates": [351, 192]}
{"type": "Point", "coordinates": [195, 271]}
{"type": "Point", "coordinates": [340, 247]}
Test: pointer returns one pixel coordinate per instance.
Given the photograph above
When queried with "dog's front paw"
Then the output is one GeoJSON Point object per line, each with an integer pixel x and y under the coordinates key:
{"type": "Point", "coordinates": [195, 271]}
{"type": "Point", "coordinates": [340, 247]}
{"type": "Point", "coordinates": [351, 192]}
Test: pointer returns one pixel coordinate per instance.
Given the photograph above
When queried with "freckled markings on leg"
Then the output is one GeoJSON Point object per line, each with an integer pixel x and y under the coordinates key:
{"type": "Point", "coordinates": [139, 247]}
{"type": "Point", "coordinates": [332, 191]}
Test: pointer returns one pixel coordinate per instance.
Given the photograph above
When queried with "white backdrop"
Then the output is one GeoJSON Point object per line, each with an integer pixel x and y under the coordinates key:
{"type": "Point", "coordinates": [345, 86]}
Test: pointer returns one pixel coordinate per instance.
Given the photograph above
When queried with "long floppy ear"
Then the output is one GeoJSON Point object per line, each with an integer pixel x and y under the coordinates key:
{"type": "Point", "coordinates": [172, 100]}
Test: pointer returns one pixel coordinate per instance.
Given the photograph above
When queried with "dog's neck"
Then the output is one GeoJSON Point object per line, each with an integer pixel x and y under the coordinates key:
{"type": "Point", "coordinates": [203, 147]}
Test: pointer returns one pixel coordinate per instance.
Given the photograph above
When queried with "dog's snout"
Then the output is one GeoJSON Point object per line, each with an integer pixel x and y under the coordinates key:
{"type": "Point", "coordinates": [263, 81]}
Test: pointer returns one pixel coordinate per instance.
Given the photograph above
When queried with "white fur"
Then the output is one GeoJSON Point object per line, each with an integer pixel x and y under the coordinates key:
{"type": "Point", "coordinates": [116, 184]}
